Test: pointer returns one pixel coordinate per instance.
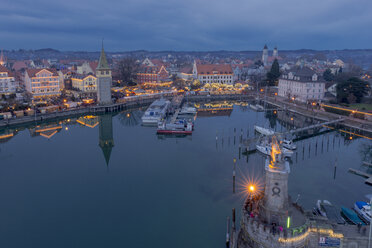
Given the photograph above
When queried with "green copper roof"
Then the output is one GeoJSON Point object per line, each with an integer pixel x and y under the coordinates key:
{"type": "Point", "coordinates": [102, 64]}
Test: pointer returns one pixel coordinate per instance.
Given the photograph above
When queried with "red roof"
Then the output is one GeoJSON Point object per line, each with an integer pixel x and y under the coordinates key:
{"type": "Point", "coordinates": [4, 69]}
{"type": "Point", "coordinates": [19, 65]}
{"type": "Point", "coordinates": [93, 65]}
{"type": "Point", "coordinates": [210, 69]}
{"type": "Point", "coordinates": [33, 72]}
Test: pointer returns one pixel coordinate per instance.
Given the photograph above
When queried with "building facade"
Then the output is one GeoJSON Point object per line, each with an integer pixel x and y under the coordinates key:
{"type": "Point", "coordinates": [84, 83]}
{"type": "Point", "coordinates": [152, 74]}
{"type": "Point", "coordinates": [213, 73]}
{"type": "Point", "coordinates": [7, 81]}
{"type": "Point", "coordinates": [302, 84]}
{"type": "Point", "coordinates": [104, 80]}
{"type": "Point", "coordinates": [42, 82]}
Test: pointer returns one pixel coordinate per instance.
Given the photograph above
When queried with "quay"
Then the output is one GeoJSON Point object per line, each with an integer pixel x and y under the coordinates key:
{"type": "Point", "coordinates": [124, 104]}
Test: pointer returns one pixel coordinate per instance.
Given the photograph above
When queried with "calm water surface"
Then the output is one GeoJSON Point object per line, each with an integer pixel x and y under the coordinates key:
{"type": "Point", "coordinates": [113, 183]}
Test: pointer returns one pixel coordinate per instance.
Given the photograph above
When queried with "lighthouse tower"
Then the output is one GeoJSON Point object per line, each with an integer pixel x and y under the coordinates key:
{"type": "Point", "coordinates": [274, 209]}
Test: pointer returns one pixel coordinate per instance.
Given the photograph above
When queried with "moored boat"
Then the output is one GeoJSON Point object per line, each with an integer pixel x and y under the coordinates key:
{"type": "Point", "coordinates": [363, 209]}
{"type": "Point", "coordinates": [186, 110]}
{"type": "Point", "coordinates": [263, 131]}
{"type": "Point", "coordinates": [351, 216]}
{"type": "Point", "coordinates": [326, 209]}
{"type": "Point", "coordinates": [289, 144]}
{"type": "Point", "coordinates": [175, 128]}
{"type": "Point", "coordinates": [156, 112]}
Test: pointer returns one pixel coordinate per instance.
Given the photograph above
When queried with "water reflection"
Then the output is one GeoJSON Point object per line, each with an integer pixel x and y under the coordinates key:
{"type": "Point", "coordinates": [106, 137]}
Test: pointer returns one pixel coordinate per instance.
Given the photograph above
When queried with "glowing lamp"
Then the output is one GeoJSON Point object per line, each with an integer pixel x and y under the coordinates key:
{"type": "Point", "coordinates": [251, 188]}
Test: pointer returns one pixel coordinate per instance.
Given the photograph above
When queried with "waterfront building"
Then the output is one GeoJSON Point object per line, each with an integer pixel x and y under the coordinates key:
{"type": "Point", "coordinates": [7, 81]}
{"type": "Point", "coordinates": [42, 82]}
{"type": "Point", "coordinates": [106, 137]}
{"type": "Point", "coordinates": [213, 73]}
{"type": "Point", "coordinates": [152, 74]}
{"type": "Point", "coordinates": [301, 84]}
{"type": "Point", "coordinates": [265, 55]}
{"type": "Point", "coordinates": [104, 80]}
{"type": "Point", "coordinates": [86, 85]}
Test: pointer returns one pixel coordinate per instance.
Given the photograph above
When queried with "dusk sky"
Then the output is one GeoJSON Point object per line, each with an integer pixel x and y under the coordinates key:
{"type": "Point", "coordinates": [202, 25]}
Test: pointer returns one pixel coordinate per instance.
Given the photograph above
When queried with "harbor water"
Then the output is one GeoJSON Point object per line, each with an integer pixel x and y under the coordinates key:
{"type": "Point", "coordinates": [107, 181]}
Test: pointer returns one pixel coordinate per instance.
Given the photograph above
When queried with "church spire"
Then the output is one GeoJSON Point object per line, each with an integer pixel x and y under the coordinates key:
{"type": "Point", "coordinates": [102, 64]}
{"type": "Point", "coordinates": [2, 59]}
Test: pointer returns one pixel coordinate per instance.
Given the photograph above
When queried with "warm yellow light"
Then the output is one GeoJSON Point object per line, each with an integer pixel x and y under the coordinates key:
{"type": "Point", "coordinates": [291, 118]}
{"type": "Point", "coordinates": [128, 115]}
{"type": "Point", "coordinates": [251, 188]}
{"type": "Point", "coordinates": [66, 128]}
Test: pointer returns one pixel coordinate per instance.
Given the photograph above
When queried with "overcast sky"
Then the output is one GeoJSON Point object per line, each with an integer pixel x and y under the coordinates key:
{"type": "Point", "coordinates": [202, 25]}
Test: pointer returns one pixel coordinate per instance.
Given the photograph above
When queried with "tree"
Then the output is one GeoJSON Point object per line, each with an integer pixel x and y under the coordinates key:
{"type": "Point", "coordinates": [128, 69]}
{"type": "Point", "coordinates": [353, 86]}
{"type": "Point", "coordinates": [273, 75]}
{"type": "Point", "coordinates": [327, 75]}
{"type": "Point", "coordinates": [196, 84]}
{"type": "Point", "coordinates": [178, 82]}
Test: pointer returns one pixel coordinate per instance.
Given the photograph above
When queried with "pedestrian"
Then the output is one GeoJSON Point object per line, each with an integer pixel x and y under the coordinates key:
{"type": "Point", "coordinates": [359, 226]}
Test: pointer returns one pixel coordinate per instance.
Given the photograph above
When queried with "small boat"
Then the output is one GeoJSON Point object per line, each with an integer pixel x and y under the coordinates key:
{"type": "Point", "coordinates": [175, 128]}
{"type": "Point", "coordinates": [187, 111]}
{"type": "Point", "coordinates": [351, 216]}
{"type": "Point", "coordinates": [289, 144]}
{"type": "Point", "coordinates": [264, 131]}
{"type": "Point", "coordinates": [363, 209]}
{"type": "Point", "coordinates": [326, 209]}
{"type": "Point", "coordinates": [260, 107]}
{"type": "Point", "coordinates": [253, 107]}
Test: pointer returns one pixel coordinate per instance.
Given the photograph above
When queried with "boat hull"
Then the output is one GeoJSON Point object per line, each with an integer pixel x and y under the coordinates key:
{"type": "Point", "coordinates": [174, 132]}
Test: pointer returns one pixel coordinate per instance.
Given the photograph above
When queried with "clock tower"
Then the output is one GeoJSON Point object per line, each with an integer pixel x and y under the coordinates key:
{"type": "Point", "coordinates": [104, 80]}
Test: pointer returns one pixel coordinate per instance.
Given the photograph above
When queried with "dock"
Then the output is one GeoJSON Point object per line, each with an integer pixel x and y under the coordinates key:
{"type": "Point", "coordinates": [315, 126]}
{"type": "Point", "coordinates": [362, 174]}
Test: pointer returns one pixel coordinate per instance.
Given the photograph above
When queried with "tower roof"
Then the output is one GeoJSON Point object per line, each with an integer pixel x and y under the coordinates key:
{"type": "Point", "coordinates": [106, 149]}
{"type": "Point", "coordinates": [265, 47]}
{"type": "Point", "coordinates": [102, 63]}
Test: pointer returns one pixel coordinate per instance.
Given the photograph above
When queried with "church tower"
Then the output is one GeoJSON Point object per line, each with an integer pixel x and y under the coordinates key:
{"type": "Point", "coordinates": [275, 52]}
{"type": "Point", "coordinates": [106, 137]}
{"type": "Point", "coordinates": [2, 59]}
{"type": "Point", "coordinates": [265, 55]}
{"type": "Point", "coordinates": [104, 80]}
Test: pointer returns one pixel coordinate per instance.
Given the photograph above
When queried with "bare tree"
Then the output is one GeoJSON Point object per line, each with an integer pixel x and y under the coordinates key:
{"type": "Point", "coordinates": [128, 69]}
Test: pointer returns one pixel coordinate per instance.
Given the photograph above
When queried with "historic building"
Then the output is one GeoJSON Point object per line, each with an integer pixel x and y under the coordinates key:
{"type": "Point", "coordinates": [265, 55]}
{"type": "Point", "coordinates": [86, 85]}
{"type": "Point", "coordinates": [7, 81]}
{"type": "Point", "coordinates": [104, 80]}
{"type": "Point", "coordinates": [87, 67]}
{"type": "Point", "coordinates": [152, 74]}
{"type": "Point", "coordinates": [2, 59]}
{"type": "Point", "coordinates": [42, 82]}
{"type": "Point", "coordinates": [213, 73]}
{"type": "Point", "coordinates": [275, 52]}
{"type": "Point", "coordinates": [301, 84]}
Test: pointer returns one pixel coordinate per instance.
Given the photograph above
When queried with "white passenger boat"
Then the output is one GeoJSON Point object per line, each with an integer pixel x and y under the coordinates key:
{"type": "Point", "coordinates": [264, 131]}
{"type": "Point", "coordinates": [363, 209]}
{"type": "Point", "coordinates": [156, 112]}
